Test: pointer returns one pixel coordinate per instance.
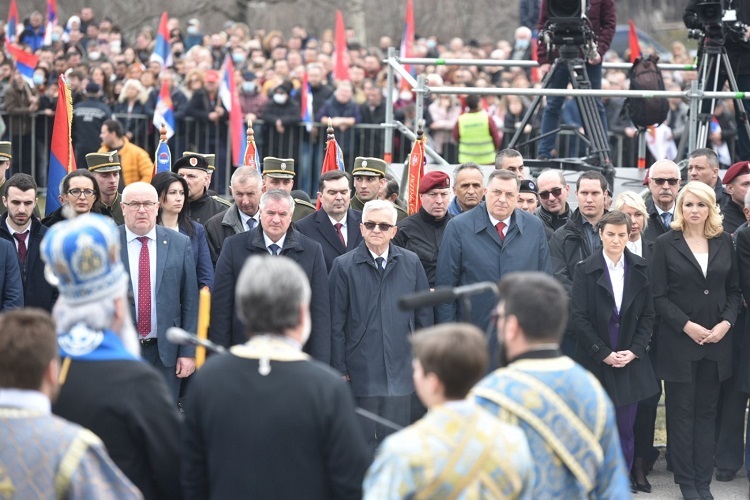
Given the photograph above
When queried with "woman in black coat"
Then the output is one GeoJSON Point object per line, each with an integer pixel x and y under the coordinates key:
{"type": "Point", "coordinates": [696, 296]}
{"type": "Point", "coordinates": [612, 316]}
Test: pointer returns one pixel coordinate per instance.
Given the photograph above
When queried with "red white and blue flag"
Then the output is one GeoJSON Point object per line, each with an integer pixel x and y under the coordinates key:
{"type": "Point", "coordinates": [52, 21]}
{"type": "Point", "coordinates": [25, 62]}
{"type": "Point", "coordinates": [164, 110]}
{"type": "Point", "coordinates": [162, 51]}
{"type": "Point", "coordinates": [333, 160]}
{"type": "Point", "coordinates": [407, 42]}
{"type": "Point", "coordinates": [11, 27]}
{"type": "Point", "coordinates": [252, 157]}
{"type": "Point", "coordinates": [62, 159]}
{"type": "Point", "coordinates": [306, 103]}
{"type": "Point", "coordinates": [231, 100]}
{"type": "Point", "coordinates": [340, 55]}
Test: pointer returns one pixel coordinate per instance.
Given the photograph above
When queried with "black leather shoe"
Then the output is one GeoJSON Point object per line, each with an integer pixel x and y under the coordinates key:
{"type": "Point", "coordinates": [725, 475]}
{"type": "Point", "coordinates": [689, 492]}
{"type": "Point", "coordinates": [633, 487]}
{"type": "Point", "coordinates": [644, 486]}
{"type": "Point", "coordinates": [705, 494]}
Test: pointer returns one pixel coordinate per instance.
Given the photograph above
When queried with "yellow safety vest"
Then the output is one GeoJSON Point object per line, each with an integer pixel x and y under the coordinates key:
{"type": "Point", "coordinates": [475, 141]}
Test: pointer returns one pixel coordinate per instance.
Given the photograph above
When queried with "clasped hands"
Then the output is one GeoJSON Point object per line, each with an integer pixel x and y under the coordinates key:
{"type": "Point", "coordinates": [619, 359]}
{"type": "Point", "coordinates": [703, 336]}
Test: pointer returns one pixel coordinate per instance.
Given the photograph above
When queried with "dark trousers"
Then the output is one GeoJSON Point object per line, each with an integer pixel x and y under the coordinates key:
{"type": "Point", "coordinates": [625, 416]}
{"type": "Point", "coordinates": [643, 430]}
{"type": "Point", "coordinates": [730, 428]}
{"type": "Point", "coordinates": [397, 409]}
{"type": "Point", "coordinates": [691, 419]}
{"type": "Point", "coordinates": [150, 353]}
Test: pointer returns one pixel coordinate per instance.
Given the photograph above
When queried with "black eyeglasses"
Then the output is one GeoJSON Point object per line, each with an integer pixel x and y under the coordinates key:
{"type": "Point", "coordinates": [660, 180]}
{"type": "Point", "coordinates": [75, 192]}
{"type": "Point", "coordinates": [383, 226]}
{"type": "Point", "coordinates": [556, 192]}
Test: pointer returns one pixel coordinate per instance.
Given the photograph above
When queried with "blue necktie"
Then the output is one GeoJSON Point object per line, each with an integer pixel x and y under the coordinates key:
{"type": "Point", "coordinates": [380, 262]}
{"type": "Point", "coordinates": [666, 219]}
{"type": "Point", "coordinates": [274, 248]}
{"type": "Point", "coordinates": [250, 223]}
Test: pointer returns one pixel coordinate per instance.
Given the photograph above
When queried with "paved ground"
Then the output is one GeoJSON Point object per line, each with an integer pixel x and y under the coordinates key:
{"type": "Point", "coordinates": [663, 486]}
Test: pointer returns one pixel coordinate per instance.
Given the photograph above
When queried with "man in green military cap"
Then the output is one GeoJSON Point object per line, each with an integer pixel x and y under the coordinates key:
{"type": "Point", "coordinates": [106, 168]}
{"type": "Point", "coordinates": [369, 179]}
{"type": "Point", "coordinates": [195, 170]}
{"type": "Point", "coordinates": [278, 173]}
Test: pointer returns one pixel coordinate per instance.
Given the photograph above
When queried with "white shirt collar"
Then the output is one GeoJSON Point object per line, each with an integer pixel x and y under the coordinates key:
{"type": "Point", "coordinates": [660, 211]}
{"type": "Point", "coordinates": [13, 231]}
{"type": "Point", "coordinates": [25, 399]}
{"type": "Point", "coordinates": [342, 221]}
{"type": "Point", "coordinates": [612, 265]}
{"type": "Point", "coordinates": [244, 217]}
{"type": "Point", "coordinates": [130, 235]}
{"type": "Point", "coordinates": [269, 242]}
{"type": "Point", "coordinates": [384, 255]}
{"type": "Point", "coordinates": [494, 221]}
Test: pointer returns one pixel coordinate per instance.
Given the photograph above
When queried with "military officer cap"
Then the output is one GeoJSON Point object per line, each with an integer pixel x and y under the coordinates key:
{"type": "Point", "coordinates": [103, 162]}
{"type": "Point", "coordinates": [739, 168]}
{"type": "Point", "coordinates": [210, 158]}
{"type": "Point", "coordinates": [194, 161]}
{"type": "Point", "coordinates": [434, 180]}
{"type": "Point", "coordinates": [280, 168]}
{"type": "Point", "coordinates": [369, 166]}
{"type": "Point", "coordinates": [528, 186]}
{"type": "Point", "coordinates": [5, 151]}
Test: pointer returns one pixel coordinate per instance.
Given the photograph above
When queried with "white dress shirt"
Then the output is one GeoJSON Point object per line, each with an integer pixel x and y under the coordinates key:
{"type": "Point", "coordinates": [617, 278]}
{"type": "Point", "coordinates": [269, 242]}
{"type": "Point", "coordinates": [636, 247]}
{"type": "Point", "coordinates": [244, 218]}
{"type": "Point", "coordinates": [384, 255]}
{"type": "Point", "coordinates": [343, 227]}
{"type": "Point", "coordinates": [134, 253]}
{"type": "Point", "coordinates": [494, 222]}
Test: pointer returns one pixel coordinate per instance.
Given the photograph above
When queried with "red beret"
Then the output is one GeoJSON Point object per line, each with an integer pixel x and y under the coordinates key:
{"type": "Point", "coordinates": [739, 168]}
{"type": "Point", "coordinates": [434, 180]}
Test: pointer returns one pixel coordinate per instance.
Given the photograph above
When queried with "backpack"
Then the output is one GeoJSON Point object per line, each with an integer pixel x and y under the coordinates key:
{"type": "Point", "coordinates": [646, 75]}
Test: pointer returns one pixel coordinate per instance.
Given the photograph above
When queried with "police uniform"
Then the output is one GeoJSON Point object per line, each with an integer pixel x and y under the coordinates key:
{"type": "Point", "coordinates": [283, 168]}
{"type": "Point", "coordinates": [206, 206]}
{"type": "Point", "coordinates": [372, 167]}
{"type": "Point", "coordinates": [103, 163]}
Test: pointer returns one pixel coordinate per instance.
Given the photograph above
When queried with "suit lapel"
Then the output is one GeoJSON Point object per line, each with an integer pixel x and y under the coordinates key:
{"type": "Point", "coordinates": [684, 249]}
{"type": "Point", "coordinates": [714, 246]}
{"type": "Point", "coordinates": [353, 233]}
{"type": "Point", "coordinates": [634, 283]}
{"type": "Point", "coordinates": [162, 249]}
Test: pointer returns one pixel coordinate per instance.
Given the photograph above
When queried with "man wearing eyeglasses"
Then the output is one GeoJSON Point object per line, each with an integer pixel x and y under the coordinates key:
{"type": "Point", "coordinates": [274, 236]}
{"type": "Point", "coordinates": [553, 196]}
{"type": "Point", "coordinates": [664, 183]}
{"type": "Point", "coordinates": [422, 233]}
{"type": "Point", "coordinates": [369, 332]}
{"type": "Point", "coordinates": [164, 287]}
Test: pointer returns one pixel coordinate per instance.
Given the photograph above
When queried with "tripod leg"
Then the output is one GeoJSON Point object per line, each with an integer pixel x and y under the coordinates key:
{"type": "Point", "coordinates": [589, 110]}
{"type": "Point", "coordinates": [532, 111]}
{"type": "Point", "coordinates": [739, 105]}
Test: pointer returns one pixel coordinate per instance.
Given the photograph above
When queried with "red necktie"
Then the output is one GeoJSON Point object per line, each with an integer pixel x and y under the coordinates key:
{"type": "Point", "coordinates": [21, 238]}
{"type": "Point", "coordinates": [144, 289]}
{"type": "Point", "coordinates": [338, 227]}
{"type": "Point", "coordinates": [500, 226]}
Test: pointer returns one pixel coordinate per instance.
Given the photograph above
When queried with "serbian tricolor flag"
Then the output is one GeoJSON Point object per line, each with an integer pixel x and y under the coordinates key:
{"type": "Point", "coordinates": [62, 160]}
{"type": "Point", "coordinates": [25, 62]}
{"type": "Point", "coordinates": [162, 52]}
{"type": "Point", "coordinates": [416, 171]}
{"type": "Point", "coordinates": [231, 100]}
{"type": "Point", "coordinates": [52, 21]}
{"type": "Point", "coordinates": [334, 158]}
{"type": "Point", "coordinates": [633, 43]}
{"type": "Point", "coordinates": [306, 103]}
{"type": "Point", "coordinates": [340, 56]}
{"type": "Point", "coordinates": [11, 27]}
{"type": "Point", "coordinates": [252, 157]}
{"type": "Point", "coordinates": [162, 156]}
{"type": "Point", "coordinates": [407, 42]}
{"type": "Point", "coordinates": [164, 111]}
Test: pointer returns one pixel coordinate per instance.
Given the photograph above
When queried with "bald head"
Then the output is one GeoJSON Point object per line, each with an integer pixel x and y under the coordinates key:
{"type": "Point", "coordinates": [664, 183]}
{"type": "Point", "coordinates": [140, 206]}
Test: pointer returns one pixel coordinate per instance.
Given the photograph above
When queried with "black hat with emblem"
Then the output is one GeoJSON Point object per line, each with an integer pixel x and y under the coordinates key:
{"type": "Point", "coordinates": [194, 161]}
{"type": "Point", "coordinates": [210, 158]}
{"type": "Point", "coordinates": [103, 162]}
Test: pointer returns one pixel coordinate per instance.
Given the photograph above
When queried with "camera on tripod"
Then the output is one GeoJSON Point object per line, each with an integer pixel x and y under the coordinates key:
{"type": "Point", "coordinates": [715, 22]}
{"type": "Point", "coordinates": [567, 27]}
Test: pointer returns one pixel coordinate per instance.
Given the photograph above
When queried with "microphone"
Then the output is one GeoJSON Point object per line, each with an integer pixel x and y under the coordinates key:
{"type": "Point", "coordinates": [179, 336]}
{"type": "Point", "coordinates": [445, 294]}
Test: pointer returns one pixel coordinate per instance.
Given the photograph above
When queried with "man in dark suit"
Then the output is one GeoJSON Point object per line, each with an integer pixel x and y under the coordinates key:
{"type": "Point", "coordinates": [274, 236]}
{"type": "Point", "coordinates": [336, 226]}
{"type": "Point", "coordinates": [19, 226]}
{"type": "Point", "coordinates": [163, 283]}
{"type": "Point", "coordinates": [283, 407]}
{"type": "Point", "coordinates": [664, 183]}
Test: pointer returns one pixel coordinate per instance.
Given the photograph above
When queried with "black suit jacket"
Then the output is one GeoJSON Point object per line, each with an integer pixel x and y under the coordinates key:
{"type": "Point", "coordinates": [593, 303]}
{"type": "Point", "coordinates": [318, 227]}
{"type": "Point", "coordinates": [226, 327]}
{"type": "Point", "coordinates": [682, 293]}
{"type": "Point", "coordinates": [655, 226]}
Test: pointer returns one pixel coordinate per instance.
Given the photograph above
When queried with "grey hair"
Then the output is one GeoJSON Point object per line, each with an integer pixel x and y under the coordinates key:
{"type": "Point", "coordinates": [245, 174]}
{"type": "Point", "coordinates": [464, 166]}
{"type": "Point", "coordinates": [375, 205]}
{"type": "Point", "coordinates": [97, 315]}
{"type": "Point", "coordinates": [270, 293]}
{"type": "Point", "coordinates": [277, 195]}
{"type": "Point", "coordinates": [138, 187]}
{"type": "Point", "coordinates": [661, 163]}
{"type": "Point", "coordinates": [551, 171]}
{"type": "Point", "coordinates": [505, 153]}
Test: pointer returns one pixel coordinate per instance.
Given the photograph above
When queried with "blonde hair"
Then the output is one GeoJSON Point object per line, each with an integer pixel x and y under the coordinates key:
{"type": "Point", "coordinates": [713, 226]}
{"type": "Point", "coordinates": [142, 96]}
{"type": "Point", "coordinates": [633, 200]}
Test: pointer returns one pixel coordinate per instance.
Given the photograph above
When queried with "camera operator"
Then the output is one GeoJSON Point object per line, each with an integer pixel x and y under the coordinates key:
{"type": "Point", "coordinates": [735, 41]}
{"type": "Point", "coordinates": [603, 17]}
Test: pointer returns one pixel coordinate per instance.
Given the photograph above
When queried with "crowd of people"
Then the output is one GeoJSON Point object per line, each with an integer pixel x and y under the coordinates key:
{"type": "Point", "coordinates": [111, 74]}
{"type": "Point", "coordinates": [589, 311]}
